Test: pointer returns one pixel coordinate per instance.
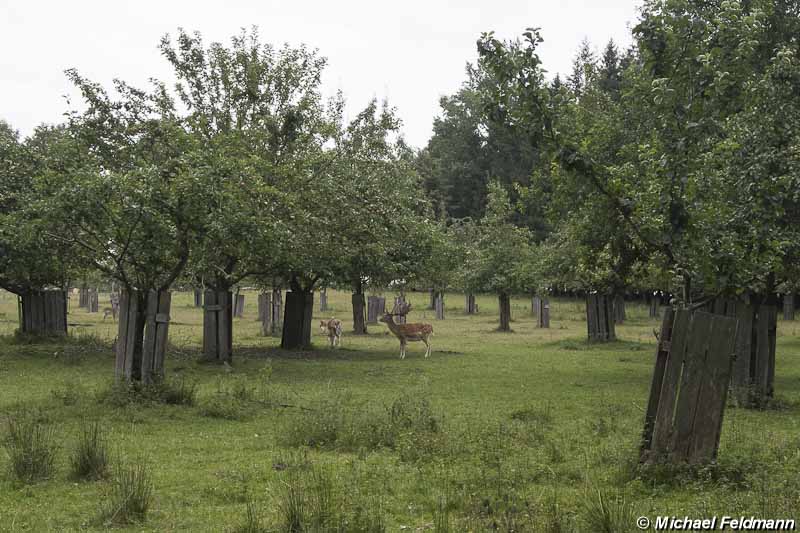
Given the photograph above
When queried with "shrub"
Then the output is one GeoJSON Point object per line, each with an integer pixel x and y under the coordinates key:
{"type": "Point", "coordinates": [90, 457]}
{"type": "Point", "coordinates": [31, 447]}
{"type": "Point", "coordinates": [131, 495]}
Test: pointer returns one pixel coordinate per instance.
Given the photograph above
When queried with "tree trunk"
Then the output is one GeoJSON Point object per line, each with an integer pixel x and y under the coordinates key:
{"type": "Point", "coordinates": [359, 310]}
{"type": "Point", "coordinates": [198, 298]}
{"type": "Point", "coordinates": [505, 312]}
{"type": "Point", "coordinates": [297, 320]}
{"type": "Point", "coordinates": [218, 326]}
{"type": "Point", "coordinates": [43, 313]}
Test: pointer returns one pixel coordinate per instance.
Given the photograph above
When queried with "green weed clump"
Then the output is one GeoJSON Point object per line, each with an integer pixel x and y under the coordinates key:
{"type": "Point", "coordinates": [131, 495]}
{"type": "Point", "coordinates": [31, 447]}
{"type": "Point", "coordinates": [166, 391]}
{"type": "Point", "coordinates": [90, 458]}
{"type": "Point", "coordinates": [334, 421]}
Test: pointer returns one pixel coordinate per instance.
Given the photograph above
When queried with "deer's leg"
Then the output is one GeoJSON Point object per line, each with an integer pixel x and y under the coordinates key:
{"type": "Point", "coordinates": [427, 347]}
{"type": "Point", "coordinates": [402, 349]}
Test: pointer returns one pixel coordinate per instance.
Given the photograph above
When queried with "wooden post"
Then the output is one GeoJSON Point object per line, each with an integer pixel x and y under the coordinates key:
{"type": "Point", "coordinates": [265, 314]}
{"type": "Point", "coordinates": [469, 304]}
{"type": "Point", "coordinates": [543, 313]}
{"type": "Point", "coordinates": [600, 318]}
{"type": "Point", "coordinates": [218, 325]}
{"type": "Point", "coordinates": [93, 301]}
{"type": "Point", "coordinates": [689, 387]}
{"type": "Point", "coordinates": [114, 299]}
{"type": "Point", "coordinates": [297, 324]}
{"type": "Point", "coordinates": [83, 297]}
{"type": "Point", "coordinates": [399, 303]}
{"type": "Point", "coordinates": [788, 306]}
{"type": "Point", "coordinates": [504, 301]}
{"type": "Point", "coordinates": [536, 305]}
{"type": "Point", "coordinates": [619, 309]}
{"type": "Point", "coordinates": [323, 300]}
{"type": "Point", "coordinates": [198, 297]}
{"type": "Point", "coordinates": [43, 312]}
{"type": "Point", "coordinates": [156, 332]}
{"type": "Point", "coordinates": [238, 306]}
{"type": "Point", "coordinates": [374, 309]}
{"type": "Point", "coordinates": [654, 305]}
{"type": "Point", "coordinates": [439, 305]}
{"type": "Point", "coordinates": [432, 304]}
{"type": "Point", "coordinates": [277, 312]}
{"type": "Point", "coordinates": [359, 313]}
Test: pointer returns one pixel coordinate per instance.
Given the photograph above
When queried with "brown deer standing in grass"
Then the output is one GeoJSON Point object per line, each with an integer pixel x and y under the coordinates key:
{"type": "Point", "coordinates": [333, 328]}
{"type": "Point", "coordinates": [409, 332]}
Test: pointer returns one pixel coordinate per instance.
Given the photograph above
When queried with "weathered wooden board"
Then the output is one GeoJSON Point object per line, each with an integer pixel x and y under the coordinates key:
{"type": "Point", "coordinates": [600, 318]}
{"type": "Point", "coordinates": [543, 314]}
{"type": "Point", "coordinates": [788, 306]}
{"type": "Point", "coordinates": [265, 314]}
{"type": "Point", "coordinates": [43, 312]}
{"type": "Point", "coordinates": [277, 312]}
{"type": "Point", "coordinates": [94, 301]}
{"type": "Point", "coordinates": [439, 305]}
{"type": "Point", "coordinates": [689, 389]}
{"type": "Point", "coordinates": [375, 308]}
{"type": "Point", "coordinates": [218, 325]}
{"type": "Point", "coordinates": [238, 306]}
{"type": "Point", "coordinates": [469, 304]}
{"type": "Point", "coordinates": [323, 300]}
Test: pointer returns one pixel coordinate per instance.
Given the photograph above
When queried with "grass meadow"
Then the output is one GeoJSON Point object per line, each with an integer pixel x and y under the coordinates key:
{"type": "Point", "coordinates": [534, 430]}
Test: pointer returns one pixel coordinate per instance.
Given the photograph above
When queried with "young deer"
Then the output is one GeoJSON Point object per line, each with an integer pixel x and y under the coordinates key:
{"type": "Point", "coordinates": [409, 332]}
{"type": "Point", "coordinates": [333, 328]}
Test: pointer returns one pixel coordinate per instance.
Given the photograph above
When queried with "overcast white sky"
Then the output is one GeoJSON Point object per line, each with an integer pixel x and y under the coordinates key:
{"type": "Point", "coordinates": [411, 52]}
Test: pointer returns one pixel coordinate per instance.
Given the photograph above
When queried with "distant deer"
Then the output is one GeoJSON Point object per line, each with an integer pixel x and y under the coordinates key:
{"type": "Point", "coordinates": [409, 332]}
{"type": "Point", "coordinates": [109, 311]}
{"type": "Point", "coordinates": [333, 328]}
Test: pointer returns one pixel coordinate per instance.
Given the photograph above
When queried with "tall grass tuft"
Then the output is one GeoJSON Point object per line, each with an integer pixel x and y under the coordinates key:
{"type": "Point", "coordinates": [608, 515]}
{"type": "Point", "coordinates": [131, 495]}
{"type": "Point", "coordinates": [31, 449]}
{"type": "Point", "coordinates": [252, 520]}
{"type": "Point", "coordinates": [89, 460]}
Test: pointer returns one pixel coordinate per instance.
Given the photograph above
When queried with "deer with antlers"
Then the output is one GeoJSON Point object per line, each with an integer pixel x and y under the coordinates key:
{"type": "Point", "coordinates": [409, 332]}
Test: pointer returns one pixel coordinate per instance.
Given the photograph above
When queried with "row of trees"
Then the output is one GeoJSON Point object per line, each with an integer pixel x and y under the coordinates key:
{"type": "Point", "coordinates": [240, 172]}
{"type": "Point", "coordinates": [672, 165]}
